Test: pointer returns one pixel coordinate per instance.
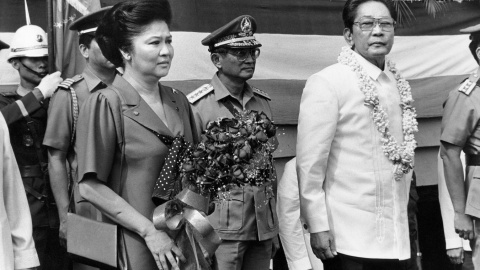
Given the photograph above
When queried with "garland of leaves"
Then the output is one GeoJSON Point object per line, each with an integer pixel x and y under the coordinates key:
{"type": "Point", "coordinates": [401, 155]}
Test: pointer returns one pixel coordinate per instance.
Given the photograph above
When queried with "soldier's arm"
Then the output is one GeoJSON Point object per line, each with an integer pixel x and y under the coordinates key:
{"type": "Point", "coordinates": [16, 110]}
{"type": "Point", "coordinates": [454, 178]}
{"type": "Point", "coordinates": [57, 169]}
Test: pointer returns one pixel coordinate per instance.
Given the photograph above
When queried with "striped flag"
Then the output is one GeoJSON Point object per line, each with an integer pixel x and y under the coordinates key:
{"type": "Point", "coordinates": [67, 56]}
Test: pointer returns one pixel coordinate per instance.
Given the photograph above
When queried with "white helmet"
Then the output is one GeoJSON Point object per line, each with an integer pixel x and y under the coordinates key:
{"type": "Point", "coordinates": [29, 41]}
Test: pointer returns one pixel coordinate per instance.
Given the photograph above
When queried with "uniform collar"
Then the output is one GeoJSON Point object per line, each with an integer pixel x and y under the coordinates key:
{"type": "Point", "coordinates": [222, 92]}
{"type": "Point", "coordinates": [372, 70]}
{"type": "Point", "coordinates": [93, 82]}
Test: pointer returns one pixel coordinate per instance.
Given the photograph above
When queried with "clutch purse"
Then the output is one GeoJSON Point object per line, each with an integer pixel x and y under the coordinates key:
{"type": "Point", "coordinates": [92, 242]}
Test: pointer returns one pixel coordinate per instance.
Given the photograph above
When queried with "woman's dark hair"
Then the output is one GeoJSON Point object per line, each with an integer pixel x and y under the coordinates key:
{"type": "Point", "coordinates": [351, 7]}
{"type": "Point", "coordinates": [475, 37]}
{"type": "Point", "coordinates": [126, 20]}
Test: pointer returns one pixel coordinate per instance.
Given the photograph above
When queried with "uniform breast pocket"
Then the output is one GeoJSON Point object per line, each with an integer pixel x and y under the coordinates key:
{"type": "Point", "coordinates": [231, 211]}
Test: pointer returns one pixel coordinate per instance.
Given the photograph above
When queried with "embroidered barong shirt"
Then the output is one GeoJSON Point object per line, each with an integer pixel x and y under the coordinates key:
{"type": "Point", "coordinates": [346, 182]}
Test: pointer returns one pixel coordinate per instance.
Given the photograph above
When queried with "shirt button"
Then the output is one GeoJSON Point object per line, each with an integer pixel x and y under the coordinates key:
{"type": "Point", "coordinates": [136, 113]}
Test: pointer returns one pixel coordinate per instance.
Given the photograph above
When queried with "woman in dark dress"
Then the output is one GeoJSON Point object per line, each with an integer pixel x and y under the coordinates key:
{"type": "Point", "coordinates": [119, 154]}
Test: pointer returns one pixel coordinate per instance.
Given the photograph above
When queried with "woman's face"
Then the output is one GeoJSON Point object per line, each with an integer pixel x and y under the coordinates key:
{"type": "Point", "coordinates": [152, 51]}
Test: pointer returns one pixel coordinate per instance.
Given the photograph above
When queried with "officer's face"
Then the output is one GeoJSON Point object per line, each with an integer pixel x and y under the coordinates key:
{"type": "Point", "coordinates": [96, 58]}
{"type": "Point", "coordinates": [152, 51]}
{"type": "Point", "coordinates": [230, 66]}
{"type": "Point", "coordinates": [375, 44]}
{"type": "Point", "coordinates": [26, 65]}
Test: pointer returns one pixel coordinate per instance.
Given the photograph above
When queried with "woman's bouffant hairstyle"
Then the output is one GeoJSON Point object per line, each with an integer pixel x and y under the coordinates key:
{"type": "Point", "coordinates": [126, 20]}
{"type": "Point", "coordinates": [351, 7]}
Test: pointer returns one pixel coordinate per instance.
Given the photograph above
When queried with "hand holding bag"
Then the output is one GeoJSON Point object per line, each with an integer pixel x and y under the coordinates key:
{"type": "Point", "coordinates": [92, 242]}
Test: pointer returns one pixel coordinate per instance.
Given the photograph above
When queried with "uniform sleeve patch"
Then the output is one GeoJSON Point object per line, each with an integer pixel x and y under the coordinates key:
{"type": "Point", "coordinates": [199, 93]}
{"type": "Point", "coordinates": [8, 94]}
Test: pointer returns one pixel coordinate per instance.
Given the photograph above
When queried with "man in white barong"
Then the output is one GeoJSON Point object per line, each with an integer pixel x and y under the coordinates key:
{"type": "Point", "coordinates": [17, 249]}
{"type": "Point", "coordinates": [355, 148]}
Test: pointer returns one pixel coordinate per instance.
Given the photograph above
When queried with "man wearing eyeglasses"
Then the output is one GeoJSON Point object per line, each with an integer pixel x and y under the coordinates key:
{"type": "Point", "coordinates": [354, 155]}
{"type": "Point", "coordinates": [248, 223]}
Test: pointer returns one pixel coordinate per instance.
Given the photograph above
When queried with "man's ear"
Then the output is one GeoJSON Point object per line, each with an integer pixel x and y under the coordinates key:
{"type": "Point", "coordinates": [348, 35]}
{"type": "Point", "coordinates": [84, 50]}
{"type": "Point", "coordinates": [15, 62]}
{"type": "Point", "coordinates": [216, 57]}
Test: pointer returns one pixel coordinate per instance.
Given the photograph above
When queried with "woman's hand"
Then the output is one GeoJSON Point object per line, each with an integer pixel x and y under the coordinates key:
{"type": "Point", "coordinates": [162, 246]}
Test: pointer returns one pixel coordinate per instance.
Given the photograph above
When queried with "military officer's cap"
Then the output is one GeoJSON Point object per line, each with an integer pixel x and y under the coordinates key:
{"type": "Point", "coordinates": [236, 34]}
{"type": "Point", "coordinates": [89, 23]}
{"type": "Point", "coordinates": [3, 45]}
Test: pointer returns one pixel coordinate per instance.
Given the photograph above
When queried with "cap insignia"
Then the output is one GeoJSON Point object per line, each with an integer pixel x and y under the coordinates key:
{"type": "Point", "coordinates": [246, 26]}
{"type": "Point", "coordinates": [39, 38]}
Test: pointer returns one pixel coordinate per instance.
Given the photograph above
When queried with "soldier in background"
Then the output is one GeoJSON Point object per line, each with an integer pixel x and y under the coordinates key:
{"type": "Point", "coordinates": [63, 112]}
{"type": "Point", "coordinates": [461, 132]}
{"type": "Point", "coordinates": [25, 111]}
{"type": "Point", "coordinates": [250, 232]}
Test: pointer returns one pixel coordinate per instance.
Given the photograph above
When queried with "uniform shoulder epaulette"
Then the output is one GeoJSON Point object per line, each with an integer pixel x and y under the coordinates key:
{"type": "Point", "coordinates": [199, 93]}
{"type": "Point", "coordinates": [261, 93]}
{"type": "Point", "coordinates": [469, 84]}
{"type": "Point", "coordinates": [67, 83]}
{"type": "Point", "coordinates": [8, 94]}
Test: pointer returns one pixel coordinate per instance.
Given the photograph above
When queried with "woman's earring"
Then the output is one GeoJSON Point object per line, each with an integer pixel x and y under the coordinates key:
{"type": "Point", "coordinates": [125, 55]}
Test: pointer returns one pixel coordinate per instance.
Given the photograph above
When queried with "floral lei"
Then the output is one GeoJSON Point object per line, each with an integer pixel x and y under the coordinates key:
{"type": "Point", "coordinates": [401, 155]}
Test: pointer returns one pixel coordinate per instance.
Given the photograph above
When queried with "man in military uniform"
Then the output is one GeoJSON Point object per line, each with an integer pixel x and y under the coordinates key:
{"type": "Point", "coordinates": [25, 112]}
{"type": "Point", "coordinates": [249, 229]}
{"type": "Point", "coordinates": [461, 131]}
{"type": "Point", "coordinates": [63, 111]}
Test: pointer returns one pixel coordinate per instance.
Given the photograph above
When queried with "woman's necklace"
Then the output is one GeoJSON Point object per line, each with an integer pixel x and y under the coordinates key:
{"type": "Point", "coordinates": [401, 155]}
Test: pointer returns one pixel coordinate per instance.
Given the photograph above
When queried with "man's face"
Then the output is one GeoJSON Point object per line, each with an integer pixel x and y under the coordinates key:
{"type": "Point", "coordinates": [375, 44]}
{"type": "Point", "coordinates": [232, 67]}
{"type": "Point", "coordinates": [37, 64]}
{"type": "Point", "coordinates": [96, 58]}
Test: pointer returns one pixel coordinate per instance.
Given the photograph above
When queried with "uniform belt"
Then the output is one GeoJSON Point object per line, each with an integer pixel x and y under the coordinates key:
{"type": "Point", "coordinates": [472, 160]}
{"type": "Point", "coordinates": [31, 171]}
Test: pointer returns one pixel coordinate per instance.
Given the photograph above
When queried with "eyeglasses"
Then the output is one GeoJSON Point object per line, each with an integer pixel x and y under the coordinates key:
{"type": "Point", "coordinates": [368, 23]}
{"type": "Point", "coordinates": [242, 54]}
